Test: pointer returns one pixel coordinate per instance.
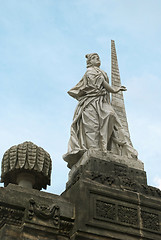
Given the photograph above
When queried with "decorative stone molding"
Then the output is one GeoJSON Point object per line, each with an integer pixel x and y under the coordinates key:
{"type": "Point", "coordinates": [27, 165]}
{"type": "Point", "coordinates": [150, 220]}
{"type": "Point", "coordinates": [105, 210]}
{"type": "Point", "coordinates": [102, 178]}
{"type": "Point", "coordinates": [109, 211]}
{"type": "Point", "coordinates": [10, 216]}
{"type": "Point", "coordinates": [114, 175]}
{"type": "Point", "coordinates": [128, 215]}
{"type": "Point", "coordinates": [44, 212]}
{"type": "Point", "coordinates": [65, 226]}
{"type": "Point", "coordinates": [122, 214]}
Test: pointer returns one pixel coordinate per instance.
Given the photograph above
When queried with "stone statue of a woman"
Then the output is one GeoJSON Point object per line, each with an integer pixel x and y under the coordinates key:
{"type": "Point", "coordinates": [95, 121]}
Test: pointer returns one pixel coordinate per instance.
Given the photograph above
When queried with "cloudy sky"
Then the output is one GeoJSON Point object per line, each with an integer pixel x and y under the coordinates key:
{"type": "Point", "coordinates": [42, 49]}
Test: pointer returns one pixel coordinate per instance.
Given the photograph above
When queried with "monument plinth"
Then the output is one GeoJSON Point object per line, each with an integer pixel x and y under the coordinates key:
{"type": "Point", "coordinates": [107, 157]}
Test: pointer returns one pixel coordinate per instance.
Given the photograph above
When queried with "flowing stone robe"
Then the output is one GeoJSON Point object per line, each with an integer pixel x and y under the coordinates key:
{"type": "Point", "coordinates": [95, 121]}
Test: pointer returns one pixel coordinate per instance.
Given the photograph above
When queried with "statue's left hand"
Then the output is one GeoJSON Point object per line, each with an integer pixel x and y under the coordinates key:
{"type": "Point", "coordinates": [122, 88]}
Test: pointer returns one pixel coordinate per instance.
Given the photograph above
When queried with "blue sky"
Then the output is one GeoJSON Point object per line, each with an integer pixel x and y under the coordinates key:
{"type": "Point", "coordinates": [42, 49]}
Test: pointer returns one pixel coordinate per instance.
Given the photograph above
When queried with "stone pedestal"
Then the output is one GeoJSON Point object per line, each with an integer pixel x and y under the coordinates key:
{"type": "Point", "coordinates": [113, 201]}
{"type": "Point", "coordinates": [104, 200]}
{"type": "Point", "coordinates": [106, 158]}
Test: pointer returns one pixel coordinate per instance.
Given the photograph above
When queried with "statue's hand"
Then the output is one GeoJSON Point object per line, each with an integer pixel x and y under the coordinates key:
{"type": "Point", "coordinates": [122, 88]}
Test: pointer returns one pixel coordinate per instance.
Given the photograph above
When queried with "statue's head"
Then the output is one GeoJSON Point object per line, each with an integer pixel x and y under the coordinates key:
{"type": "Point", "coordinates": [93, 60]}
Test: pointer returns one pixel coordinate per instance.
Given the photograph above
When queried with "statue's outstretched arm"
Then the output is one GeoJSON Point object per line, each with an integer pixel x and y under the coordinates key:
{"type": "Point", "coordinates": [113, 90]}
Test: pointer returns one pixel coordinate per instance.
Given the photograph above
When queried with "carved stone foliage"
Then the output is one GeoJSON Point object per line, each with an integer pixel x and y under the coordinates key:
{"type": "Point", "coordinates": [105, 210]}
{"type": "Point", "coordinates": [27, 157]}
{"type": "Point", "coordinates": [44, 212]}
{"type": "Point", "coordinates": [127, 215]}
{"type": "Point", "coordinates": [109, 211]}
{"type": "Point", "coordinates": [10, 216]}
{"type": "Point", "coordinates": [49, 216]}
{"type": "Point", "coordinates": [115, 175]}
{"type": "Point", "coordinates": [120, 170]}
{"type": "Point", "coordinates": [121, 180]}
{"type": "Point", "coordinates": [122, 214]}
{"type": "Point", "coordinates": [102, 178]}
{"type": "Point", "coordinates": [65, 226]}
{"type": "Point", "coordinates": [128, 183]}
{"type": "Point", "coordinates": [150, 220]}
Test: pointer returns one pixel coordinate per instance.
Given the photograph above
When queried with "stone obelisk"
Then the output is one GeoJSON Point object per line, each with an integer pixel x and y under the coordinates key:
{"type": "Point", "coordinates": [117, 100]}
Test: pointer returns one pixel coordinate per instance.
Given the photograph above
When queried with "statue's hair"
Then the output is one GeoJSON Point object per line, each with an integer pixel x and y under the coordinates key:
{"type": "Point", "coordinates": [88, 56]}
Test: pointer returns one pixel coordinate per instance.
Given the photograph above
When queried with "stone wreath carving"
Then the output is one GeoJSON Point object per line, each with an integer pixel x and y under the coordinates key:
{"type": "Point", "coordinates": [44, 212]}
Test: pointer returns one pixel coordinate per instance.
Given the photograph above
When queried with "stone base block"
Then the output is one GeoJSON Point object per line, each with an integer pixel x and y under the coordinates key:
{"type": "Point", "coordinates": [107, 171]}
{"type": "Point", "coordinates": [105, 213]}
{"type": "Point", "coordinates": [108, 157]}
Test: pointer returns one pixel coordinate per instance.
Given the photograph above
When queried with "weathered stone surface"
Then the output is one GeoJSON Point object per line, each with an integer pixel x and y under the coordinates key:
{"type": "Point", "coordinates": [112, 199]}
{"type": "Point", "coordinates": [34, 214]}
{"type": "Point", "coordinates": [27, 165]}
{"type": "Point", "coordinates": [105, 212]}
{"type": "Point", "coordinates": [108, 157]}
{"type": "Point", "coordinates": [109, 173]}
{"type": "Point", "coordinates": [106, 200]}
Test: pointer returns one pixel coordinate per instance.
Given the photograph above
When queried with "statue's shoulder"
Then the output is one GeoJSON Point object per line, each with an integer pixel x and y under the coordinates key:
{"type": "Point", "coordinates": [90, 71]}
{"type": "Point", "coordinates": [93, 71]}
{"type": "Point", "coordinates": [102, 71]}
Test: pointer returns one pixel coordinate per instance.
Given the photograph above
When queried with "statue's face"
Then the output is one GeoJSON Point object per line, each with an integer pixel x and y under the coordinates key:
{"type": "Point", "coordinates": [95, 60]}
